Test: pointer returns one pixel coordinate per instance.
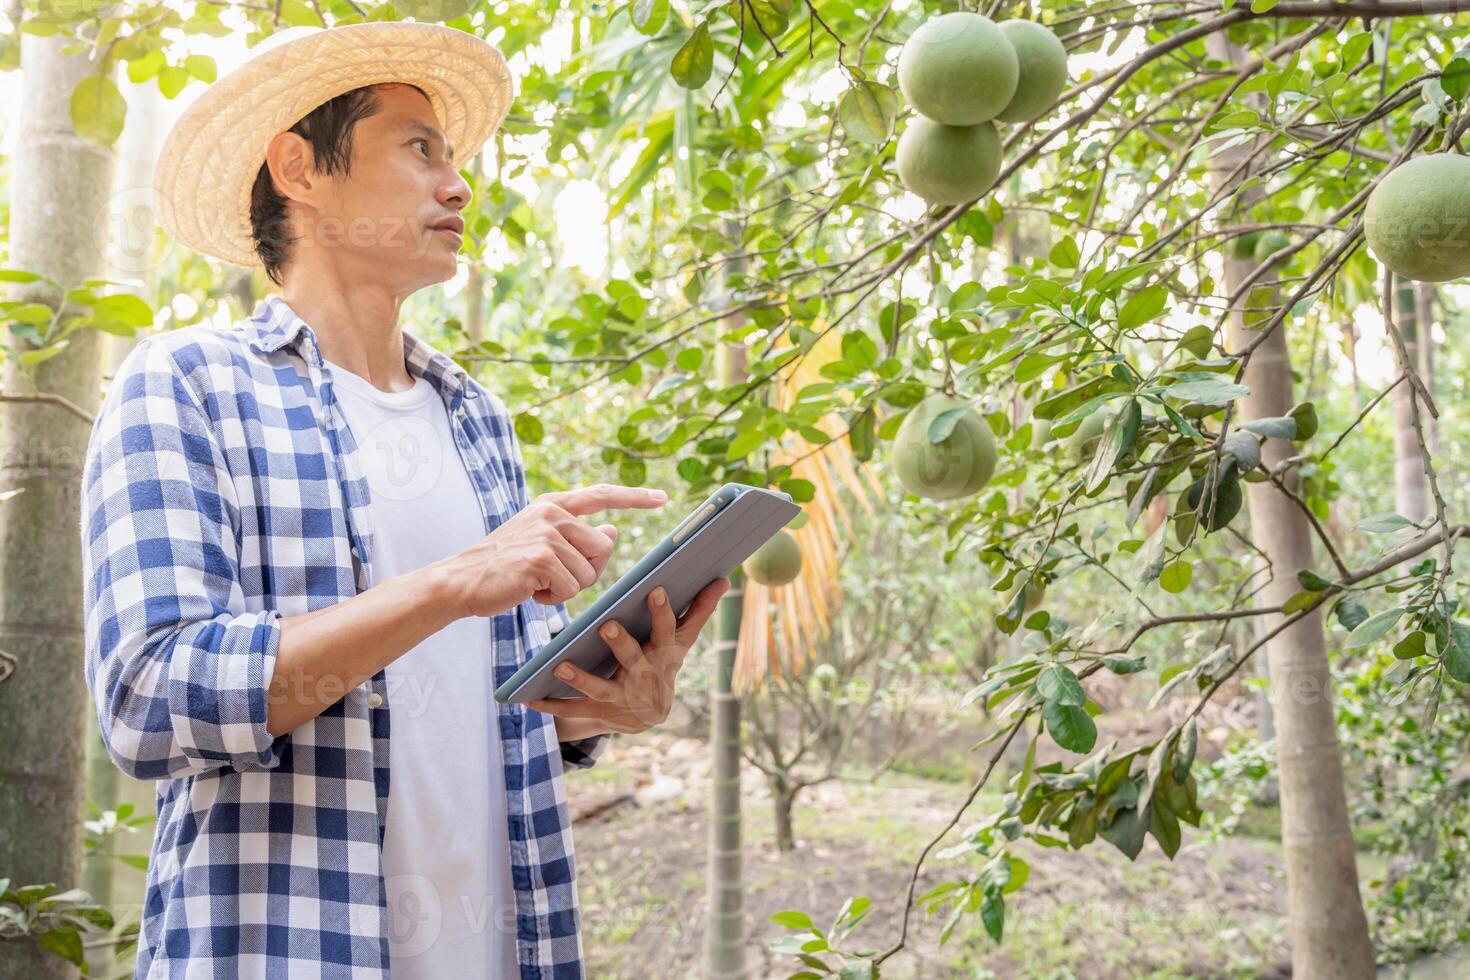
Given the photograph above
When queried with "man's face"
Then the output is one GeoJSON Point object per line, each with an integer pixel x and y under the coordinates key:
{"type": "Point", "coordinates": [386, 218]}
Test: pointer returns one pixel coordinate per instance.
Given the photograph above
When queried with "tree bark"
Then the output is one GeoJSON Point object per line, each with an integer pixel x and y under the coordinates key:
{"type": "Point", "coordinates": [1410, 485]}
{"type": "Point", "coordinates": [60, 191]}
{"type": "Point", "coordinates": [724, 946]}
{"type": "Point", "coordinates": [1327, 925]}
{"type": "Point", "coordinates": [783, 799]}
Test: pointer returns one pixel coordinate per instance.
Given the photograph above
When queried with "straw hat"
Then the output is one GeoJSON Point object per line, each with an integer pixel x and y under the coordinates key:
{"type": "Point", "coordinates": [208, 163]}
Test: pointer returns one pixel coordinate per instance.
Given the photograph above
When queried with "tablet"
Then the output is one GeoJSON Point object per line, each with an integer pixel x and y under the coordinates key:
{"type": "Point", "coordinates": [705, 546]}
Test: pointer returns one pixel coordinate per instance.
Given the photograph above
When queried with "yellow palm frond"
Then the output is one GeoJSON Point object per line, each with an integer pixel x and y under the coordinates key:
{"type": "Point", "coordinates": [781, 626]}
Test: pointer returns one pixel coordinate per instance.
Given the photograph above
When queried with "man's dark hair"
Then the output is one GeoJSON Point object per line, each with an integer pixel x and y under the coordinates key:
{"type": "Point", "coordinates": [328, 128]}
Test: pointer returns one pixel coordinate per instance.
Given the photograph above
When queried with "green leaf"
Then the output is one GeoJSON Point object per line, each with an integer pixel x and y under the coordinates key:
{"type": "Point", "coordinates": [1279, 427]}
{"type": "Point", "coordinates": [1300, 601]}
{"type": "Point", "coordinates": [1120, 664]}
{"type": "Point", "coordinates": [1412, 646]}
{"type": "Point", "coordinates": [1142, 307]}
{"type": "Point", "coordinates": [648, 16]}
{"type": "Point", "coordinates": [1373, 628]}
{"type": "Point", "coordinates": [793, 919]}
{"type": "Point", "coordinates": [867, 112]}
{"type": "Point", "coordinates": [695, 61]}
{"type": "Point", "coordinates": [1210, 391]}
{"type": "Point", "coordinates": [1226, 503]}
{"type": "Point", "coordinates": [1350, 612]}
{"type": "Point", "coordinates": [66, 943]}
{"type": "Point", "coordinates": [123, 308]}
{"type": "Point", "coordinates": [1199, 341]}
{"type": "Point", "coordinates": [1456, 78]}
{"type": "Point", "coordinates": [1311, 581]}
{"type": "Point", "coordinates": [202, 67]}
{"type": "Point", "coordinates": [993, 914]}
{"type": "Point", "coordinates": [745, 443]}
{"type": "Point", "coordinates": [942, 425]}
{"type": "Point", "coordinates": [1165, 828]}
{"type": "Point", "coordinates": [33, 313]}
{"type": "Point", "coordinates": [1127, 830]}
{"type": "Point", "coordinates": [31, 358]}
{"type": "Point", "coordinates": [1065, 254]}
{"type": "Point", "coordinates": [1383, 523]}
{"type": "Point", "coordinates": [1261, 6]}
{"type": "Point", "coordinates": [860, 349]}
{"type": "Point", "coordinates": [97, 110]}
{"type": "Point", "coordinates": [1119, 438]}
{"type": "Point", "coordinates": [1456, 656]}
{"type": "Point", "coordinates": [1305, 417]}
{"type": "Point", "coordinates": [1057, 683]}
{"type": "Point", "coordinates": [529, 428]}
{"type": "Point", "coordinates": [1073, 398]}
{"type": "Point", "coordinates": [1070, 727]}
{"type": "Point", "coordinates": [1176, 576]}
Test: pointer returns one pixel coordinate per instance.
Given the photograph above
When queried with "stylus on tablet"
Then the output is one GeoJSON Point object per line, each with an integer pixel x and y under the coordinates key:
{"type": "Point", "coordinates": [706, 545]}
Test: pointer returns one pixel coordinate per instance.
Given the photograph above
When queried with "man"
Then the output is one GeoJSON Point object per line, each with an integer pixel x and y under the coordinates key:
{"type": "Point", "coordinates": [310, 558]}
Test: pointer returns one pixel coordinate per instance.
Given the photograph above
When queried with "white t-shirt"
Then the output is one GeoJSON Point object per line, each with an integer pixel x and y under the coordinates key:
{"type": "Point", "coordinates": [446, 848]}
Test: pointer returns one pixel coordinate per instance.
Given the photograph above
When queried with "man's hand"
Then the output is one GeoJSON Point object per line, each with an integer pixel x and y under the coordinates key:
{"type": "Point", "coordinates": [641, 692]}
{"type": "Point", "coordinates": [544, 551]}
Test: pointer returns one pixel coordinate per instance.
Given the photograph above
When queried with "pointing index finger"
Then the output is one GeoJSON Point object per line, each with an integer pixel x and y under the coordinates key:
{"type": "Point", "coordinates": [607, 496]}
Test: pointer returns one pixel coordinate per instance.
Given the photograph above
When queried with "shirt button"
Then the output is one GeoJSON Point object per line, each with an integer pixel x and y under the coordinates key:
{"type": "Point", "coordinates": [321, 418]}
{"type": "Point", "coordinates": [375, 699]}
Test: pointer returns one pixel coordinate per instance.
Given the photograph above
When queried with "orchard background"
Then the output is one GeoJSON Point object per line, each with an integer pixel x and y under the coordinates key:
{"type": "Point", "coordinates": [1181, 688]}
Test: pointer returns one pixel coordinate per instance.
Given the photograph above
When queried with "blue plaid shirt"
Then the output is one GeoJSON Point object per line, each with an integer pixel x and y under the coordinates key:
{"type": "Point", "coordinates": [222, 491]}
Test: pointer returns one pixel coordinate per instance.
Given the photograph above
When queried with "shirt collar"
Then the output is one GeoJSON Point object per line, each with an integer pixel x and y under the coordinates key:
{"type": "Point", "coordinates": [274, 325]}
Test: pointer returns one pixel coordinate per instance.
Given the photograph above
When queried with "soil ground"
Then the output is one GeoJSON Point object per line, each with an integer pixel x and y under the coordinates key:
{"type": "Point", "coordinates": [640, 837]}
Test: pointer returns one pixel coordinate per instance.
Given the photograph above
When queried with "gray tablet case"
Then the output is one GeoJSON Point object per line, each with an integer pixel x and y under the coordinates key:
{"type": "Point", "coordinates": [706, 545]}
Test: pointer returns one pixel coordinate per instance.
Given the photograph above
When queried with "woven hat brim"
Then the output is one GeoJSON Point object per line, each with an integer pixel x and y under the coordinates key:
{"type": "Point", "coordinates": [209, 160]}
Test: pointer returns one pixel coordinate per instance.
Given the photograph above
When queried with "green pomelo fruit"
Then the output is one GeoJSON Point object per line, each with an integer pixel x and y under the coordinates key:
{"type": "Point", "coordinates": [1418, 218]}
{"type": "Point", "coordinates": [1083, 438]}
{"type": "Point", "coordinates": [958, 466]}
{"type": "Point", "coordinates": [958, 69]}
{"type": "Point", "coordinates": [1270, 242]}
{"type": "Point", "coordinates": [1042, 60]}
{"type": "Point", "coordinates": [1040, 432]}
{"type": "Point", "coordinates": [1035, 594]}
{"type": "Point", "coordinates": [948, 164]}
{"type": "Point", "coordinates": [776, 562]}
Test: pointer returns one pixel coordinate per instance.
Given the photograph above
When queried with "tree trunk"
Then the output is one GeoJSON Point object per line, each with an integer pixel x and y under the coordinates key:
{"type": "Point", "coordinates": [1410, 485]}
{"type": "Point", "coordinates": [783, 798]}
{"type": "Point", "coordinates": [59, 202]}
{"type": "Point", "coordinates": [725, 933]}
{"type": "Point", "coordinates": [1329, 932]}
{"type": "Point", "coordinates": [1327, 926]}
{"type": "Point", "coordinates": [129, 257]}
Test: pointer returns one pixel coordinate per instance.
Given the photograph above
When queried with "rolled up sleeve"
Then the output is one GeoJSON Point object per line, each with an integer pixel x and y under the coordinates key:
{"type": "Point", "coordinates": [177, 665]}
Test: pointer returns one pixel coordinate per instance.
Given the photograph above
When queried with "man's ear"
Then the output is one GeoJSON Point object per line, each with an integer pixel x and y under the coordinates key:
{"type": "Point", "coordinates": [292, 166]}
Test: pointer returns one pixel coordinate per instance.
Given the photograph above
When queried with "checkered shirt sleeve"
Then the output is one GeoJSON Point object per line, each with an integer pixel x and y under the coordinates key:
{"type": "Point", "coordinates": [177, 664]}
